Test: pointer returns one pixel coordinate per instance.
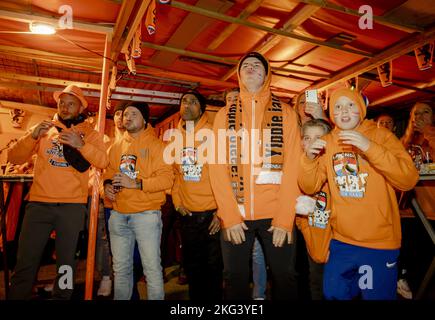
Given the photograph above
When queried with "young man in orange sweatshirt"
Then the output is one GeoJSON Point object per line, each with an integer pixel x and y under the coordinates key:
{"type": "Point", "coordinates": [66, 147]}
{"type": "Point", "coordinates": [135, 181]}
{"type": "Point", "coordinates": [314, 215]}
{"type": "Point", "coordinates": [362, 165]}
{"type": "Point", "coordinates": [194, 200]}
{"type": "Point", "coordinates": [256, 195]}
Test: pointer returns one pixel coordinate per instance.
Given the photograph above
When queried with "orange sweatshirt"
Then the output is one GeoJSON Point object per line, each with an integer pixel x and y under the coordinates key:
{"type": "Point", "coordinates": [54, 179]}
{"type": "Point", "coordinates": [140, 158]}
{"type": "Point", "coordinates": [362, 186]}
{"type": "Point", "coordinates": [192, 188]}
{"type": "Point", "coordinates": [262, 201]}
{"type": "Point", "coordinates": [316, 228]}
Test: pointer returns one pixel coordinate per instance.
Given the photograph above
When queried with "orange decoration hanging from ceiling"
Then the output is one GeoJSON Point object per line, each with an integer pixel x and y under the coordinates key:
{"type": "Point", "coordinates": [424, 56]}
{"type": "Point", "coordinates": [136, 43]}
{"type": "Point", "coordinates": [385, 72]}
{"type": "Point", "coordinates": [150, 18]}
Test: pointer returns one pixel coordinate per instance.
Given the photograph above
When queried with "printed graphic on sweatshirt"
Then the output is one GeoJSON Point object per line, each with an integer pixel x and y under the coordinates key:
{"type": "Point", "coordinates": [347, 177]}
{"type": "Point", "coordinates": [128, 165]}
{"type": "Point", "coordinates": [55, 155]}
{"type": "Point", "coordinates": [320, 217]}
{"type": "Point", "coordinates": [192, 171]}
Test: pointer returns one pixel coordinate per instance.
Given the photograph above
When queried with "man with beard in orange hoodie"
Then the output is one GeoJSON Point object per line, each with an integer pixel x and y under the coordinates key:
{"type": "Point", "coordinates": [363, 165]}
{"type": "Point", "coordinates": [194, 200]}
{"type": "Point", "coordinates": [135, 181]}
{"type": "Point", "coordinates": [255, 184]}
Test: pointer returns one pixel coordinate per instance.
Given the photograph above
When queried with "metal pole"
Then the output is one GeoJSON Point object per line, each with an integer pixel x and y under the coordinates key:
{"type": "Point", "coordinates": [4, 240]}
{"type": "Point", "coordinates": [93, 216]}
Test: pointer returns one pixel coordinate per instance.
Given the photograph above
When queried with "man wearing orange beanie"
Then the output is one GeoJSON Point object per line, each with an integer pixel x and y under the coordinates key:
{"type": "Point", "coordinates": [363, 165]}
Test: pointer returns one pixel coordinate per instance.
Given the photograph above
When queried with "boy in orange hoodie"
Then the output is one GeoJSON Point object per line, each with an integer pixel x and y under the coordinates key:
{"type": "Point", "coordinates": [362, 164]}
{"type": "Point", "coordinates": [314, 215]}
{"type": "Point", "coordinates": [257, 198]}
{"type": "Point", "coordinates": [65, 148]}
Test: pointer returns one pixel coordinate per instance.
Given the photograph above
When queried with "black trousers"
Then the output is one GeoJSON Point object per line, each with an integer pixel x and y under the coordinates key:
{"type": "Point", "coordinates": [316, 279]}
{"type": "Point", "coordinates": [67, 219]}
{"type": "Point", "coordinates": [281, 262]}
{"type": "Point", "coordinates": [202, 257]}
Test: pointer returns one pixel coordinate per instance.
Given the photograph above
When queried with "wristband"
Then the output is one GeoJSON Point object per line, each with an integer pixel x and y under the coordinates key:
{"type": "Point", "coordinates": [139, 184]}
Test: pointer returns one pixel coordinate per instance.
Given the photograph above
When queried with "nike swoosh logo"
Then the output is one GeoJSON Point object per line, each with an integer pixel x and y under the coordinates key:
{"type": "Point", "coordinates": [390, 265]}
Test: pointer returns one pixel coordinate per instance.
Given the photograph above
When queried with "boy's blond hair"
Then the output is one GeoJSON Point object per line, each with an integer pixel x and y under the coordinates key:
{"type": "Point", "coordinates": [325, 125]}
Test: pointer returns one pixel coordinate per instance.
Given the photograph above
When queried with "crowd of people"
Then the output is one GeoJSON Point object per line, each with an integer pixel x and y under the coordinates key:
{"type": "Point", "coordinates": [331, 181]}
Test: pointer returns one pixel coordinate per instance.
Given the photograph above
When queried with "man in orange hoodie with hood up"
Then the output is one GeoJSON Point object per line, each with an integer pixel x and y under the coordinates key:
{"type": "Point", "coordinates": [65, 148]}
{"type": "Point", "coordinates": [363, 165]}
{"type": "Point", "coordinates": [256, 190]}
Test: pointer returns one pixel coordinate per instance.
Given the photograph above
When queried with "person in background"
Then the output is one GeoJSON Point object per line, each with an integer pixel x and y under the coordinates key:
{"type": "Point", "coordinates": [386, 121]}
{"type": "Point", "coordinates": [308, 110]}
{"type": "Point", "coordinates": [419, 140]}
{"type": "Point", "coordinates": [362, 165]}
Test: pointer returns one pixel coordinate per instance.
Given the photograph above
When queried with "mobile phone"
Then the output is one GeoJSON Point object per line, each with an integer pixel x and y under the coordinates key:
{"type": "Point", "coordinates": [311, 96]}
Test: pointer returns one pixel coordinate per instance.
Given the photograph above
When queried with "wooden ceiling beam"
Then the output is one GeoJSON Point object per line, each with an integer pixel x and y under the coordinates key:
{"type": "Point", "coordinates": [59, 82]}
{"type": "Point", "coordinates": [224, 60]}
{"type": "Point", "coordinates": [45, 53]}
{"type": "Point", "coordinates": [303, 14]}
{"type": "Point", "coordinates": [120, 26]}
{"type": "Point", "coordinates": [157, 99]}
{"type": "Point", "coordinates": [135, 24]}
{"type": "Point", "coordinates": [188, 30]}
{"type": "Point", "coordinates": [251, 8]}
{"type": "Point", "coordinates": [78, 25]}
{"type": "Point", "coordinates": [292, 35]}
{"type": "Point", "coordinates": [154, 71]}
{"type": "Point", "coordinates": [395, 51]}
{"type": "Point", "coordinates": [401, 93]}
{"type": "Point", "coordinates": [397, 83]}
{"type": "Point", "coordinates": [390, 22]}
{"type": "Point", "coordinates": [51, 57]}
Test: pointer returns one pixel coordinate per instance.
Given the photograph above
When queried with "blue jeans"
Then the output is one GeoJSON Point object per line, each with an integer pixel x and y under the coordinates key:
{"type": "Point", "coordinates": [146, 228]}
{"type": "Point", "coordinates": [259, 272]}
{"type": "Point", "coordinates": [137, 263]}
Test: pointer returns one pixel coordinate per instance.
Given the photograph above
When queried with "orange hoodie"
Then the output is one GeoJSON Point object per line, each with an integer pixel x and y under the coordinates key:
{"type": "Point", "coordinates": [267, 201]}
{"type": "Point", "coordinates": [54, 179]}
{"type": "Point", "coordinates": [192, 188]}
{"type": "Point", "coordinates": [317, 228]}
{"type": "Point", "coordinates": [140, 158]}
{"type": "Point", "coordinates": [362, 183]}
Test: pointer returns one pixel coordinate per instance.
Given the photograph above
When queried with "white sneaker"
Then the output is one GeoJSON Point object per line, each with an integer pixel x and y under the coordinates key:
{"type": "Point", "coordinates": [49, 287]}
{"type": "Point", "coordinates": [403, 289]}
{"type": "Point", "coordinates": [105, 288]}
